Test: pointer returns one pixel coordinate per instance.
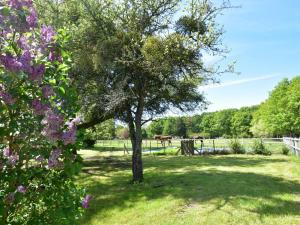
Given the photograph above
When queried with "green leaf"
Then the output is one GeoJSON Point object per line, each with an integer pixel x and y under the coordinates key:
{"type": "Point", "coordinates": [5, 11]}
{"type": "Point", "coordinates": [62, 90]}
{"type": "Point", "coordinates": [52, 81]}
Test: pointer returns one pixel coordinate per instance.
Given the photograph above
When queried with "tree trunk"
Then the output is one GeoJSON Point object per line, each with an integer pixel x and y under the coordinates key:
{"type": "Point", "coordinates": [135, 130]}
{"type": "Point", "coordinates": [137, 164]}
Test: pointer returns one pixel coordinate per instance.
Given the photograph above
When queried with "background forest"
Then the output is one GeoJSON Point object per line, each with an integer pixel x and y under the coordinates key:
{"type": "Point", "coordinates": [276, 117]}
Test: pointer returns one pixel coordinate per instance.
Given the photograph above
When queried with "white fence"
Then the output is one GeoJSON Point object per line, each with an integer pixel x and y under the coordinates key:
{"type": "Point", "coordinates": [293, 144]}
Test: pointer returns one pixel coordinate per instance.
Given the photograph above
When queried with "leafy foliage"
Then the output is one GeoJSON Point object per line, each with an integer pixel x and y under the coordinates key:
{"type": "Point", "coordinates": [223, 123]}
{"type": "Point", "coordinates": [236, 147]}
{"type": "Point", "coordinates": [102, 131]}
{"type": "Point", "coordinates": [241, 122]}
{"type": "Point", "coordinates": [156, 128]}
{"type": "Point", "coordinates": [37, 132]}
{"type": "Point", "coordinates": [122, 132]}
{"type": "Point", "coordinates": [285, 150]}
{"type": "Point", "coordinates": [260, 148]}
{"type": "Point", "coordinates": [279, 114]}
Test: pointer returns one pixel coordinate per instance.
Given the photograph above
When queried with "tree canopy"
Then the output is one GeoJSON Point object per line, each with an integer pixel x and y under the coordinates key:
{"type": "Point", "coordinates": [279, 114]}
{"type": "Point", "coordinates": [136, 59]}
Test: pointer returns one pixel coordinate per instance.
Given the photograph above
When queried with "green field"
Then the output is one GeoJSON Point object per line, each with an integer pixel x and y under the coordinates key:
{"type": "Point", "coordinates": [232, 189]}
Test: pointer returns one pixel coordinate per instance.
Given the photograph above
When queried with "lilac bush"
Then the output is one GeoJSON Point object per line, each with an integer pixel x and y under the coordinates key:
{"type": "Point", "coordinates": [37, 122]}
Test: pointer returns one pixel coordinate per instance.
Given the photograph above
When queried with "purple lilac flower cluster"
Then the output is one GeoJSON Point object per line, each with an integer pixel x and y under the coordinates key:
{"type": "Point", "coordinates": [21, 189]}
{"type": "Point", "coordinates": [53, 159]}
{"type": "Point", "coordinates": [18, 4]}
{"type": "Point", "coordinates": [7, 97]}
{"type": "Point", "coordinates": [32, 19]}
{"type": "Point", "coordinates": [26, 62]}
{"type": "Point", "coordinates": [12, 157]}
{"type": "Point", "coordinates": [47, 34]}
{"type": "Point", "coordinates": [10, 198]}
{"type": "Point", "coordinates": [53, 123]}
{"type": "Point", "coordinates": [69, 136]}
{"type": "Point", "coordinates": [86, 201]}
{"type": "Point", "coordinates": [47, 91]}
{"type": "Point", "coordinates": [39, 108]}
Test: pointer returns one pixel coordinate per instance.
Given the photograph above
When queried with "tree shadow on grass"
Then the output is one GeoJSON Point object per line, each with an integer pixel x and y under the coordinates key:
{"type": "Point", "coordinates": [101, 165]}
{"type": "Point", "coordinates": [192, 186]}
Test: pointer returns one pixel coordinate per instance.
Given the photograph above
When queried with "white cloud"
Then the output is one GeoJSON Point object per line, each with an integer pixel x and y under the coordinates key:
{"type": "Point", "coordinates": [236, 82]}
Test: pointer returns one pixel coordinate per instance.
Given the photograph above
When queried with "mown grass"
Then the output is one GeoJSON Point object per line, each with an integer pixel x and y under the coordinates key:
{"type": "Point", "coordinates": [243, 189]}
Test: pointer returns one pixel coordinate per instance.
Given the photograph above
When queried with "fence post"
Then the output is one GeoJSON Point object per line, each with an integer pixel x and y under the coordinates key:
{"type": "Point", "coordinates": [293, 144]}
{"type": "Point", "coordinates": [297, 145]}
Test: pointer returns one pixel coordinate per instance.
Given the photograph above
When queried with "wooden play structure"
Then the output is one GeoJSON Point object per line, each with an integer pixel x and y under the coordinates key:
{"type": "Point", "coordinates": [187, 147]}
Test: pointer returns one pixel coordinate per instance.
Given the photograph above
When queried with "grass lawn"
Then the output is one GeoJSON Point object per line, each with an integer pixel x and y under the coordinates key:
{"type": "Point", "coordinates": [232, 189]}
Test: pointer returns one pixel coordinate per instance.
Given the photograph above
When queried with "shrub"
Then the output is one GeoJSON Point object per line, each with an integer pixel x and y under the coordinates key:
{"type": "Point", "coordinates": [285, 150]}
{"type": "Point", "coordinates": [37, 132]}
{"type": "Point", "coordinates": [236, 147]}
{"type": "Point", "coordinates": [260, 148]}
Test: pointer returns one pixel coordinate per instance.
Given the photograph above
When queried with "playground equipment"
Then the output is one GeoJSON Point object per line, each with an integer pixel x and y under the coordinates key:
{"type": "Point", "coordinates": [188, 148]}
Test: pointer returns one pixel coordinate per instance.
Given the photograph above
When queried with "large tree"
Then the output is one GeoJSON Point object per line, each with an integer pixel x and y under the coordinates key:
{"type": "Point", "coordinates": [156, 128]}
{"type": "Point", "coordinates": [279, 114]}
{"type": "Point", "coordinates": [181, 130]}
{"type": "Point", "coordinates": [136, 59]}
{"type": "Point", "coordinates": [241, 122]}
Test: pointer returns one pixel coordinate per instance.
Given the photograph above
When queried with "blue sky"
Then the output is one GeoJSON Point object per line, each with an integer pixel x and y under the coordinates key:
{"type": "Point", "coordinates": [263, 36]}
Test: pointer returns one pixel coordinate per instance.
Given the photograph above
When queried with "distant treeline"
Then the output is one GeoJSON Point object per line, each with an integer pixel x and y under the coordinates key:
{"type": "Point", "coordinates": [223, 123]}
{"type": "Point", "coordinates": [278, 116]}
